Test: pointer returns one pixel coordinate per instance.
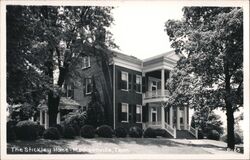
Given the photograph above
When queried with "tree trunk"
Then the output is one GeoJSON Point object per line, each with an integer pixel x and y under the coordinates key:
{"type": "Point", "coordinates": [53, 103]}
{"type": "Point", "coordinates": [229, 109]}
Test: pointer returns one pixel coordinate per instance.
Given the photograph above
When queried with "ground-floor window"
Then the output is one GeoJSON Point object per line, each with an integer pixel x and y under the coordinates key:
{"type": "Point", "coordinates": [124, 114]}
{"type": "Point", "coordinates": [138, 113]}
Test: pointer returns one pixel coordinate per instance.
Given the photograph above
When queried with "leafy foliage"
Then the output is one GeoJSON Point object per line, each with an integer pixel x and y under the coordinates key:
{"type": "Point", "coordinates": [120, 132]}
{"type": "Point", "coordinates": [105, 131]}
{"type": "Point", "coordinates": [69, 132]}
{"type": "Point", "coordinates": [26, 130]}
{"type": "Point", "coordinates": [135, 132]}
{"type": "Point", "coordinates": [149, 133]}
{"type": "Point", "coordinates": [210, 74]}
{"type": "Point", "coordinates": [206, 120]}
{"type": "Point", "coordinates": [51, 133]}
{"type": "Point", "coordinates": [87, 131]}
{"type": "Point", "coordinates": [213, 134]}
{"type": "Point", "coordinates": [42, 40]}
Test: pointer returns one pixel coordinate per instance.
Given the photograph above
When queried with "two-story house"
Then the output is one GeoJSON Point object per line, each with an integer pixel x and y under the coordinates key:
{"type": "Point", "coordinates": [133, 92]}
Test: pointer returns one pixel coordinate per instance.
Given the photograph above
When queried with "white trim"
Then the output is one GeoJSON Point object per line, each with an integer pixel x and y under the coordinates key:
{"type": "Point", "coordinates": [124, 112]}
{"type": "Point", "coordinates": [123, 72]}
{"type": "Point", "coordinates": [138, 105]}
{"type": "Point", "coordinates": [127, 64]}
{"type": "Point", "coordinates": [86, 59]}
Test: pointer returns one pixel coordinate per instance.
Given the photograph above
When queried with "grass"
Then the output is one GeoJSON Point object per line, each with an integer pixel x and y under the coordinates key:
{"type": "Point", "coordinates": [81, 145]}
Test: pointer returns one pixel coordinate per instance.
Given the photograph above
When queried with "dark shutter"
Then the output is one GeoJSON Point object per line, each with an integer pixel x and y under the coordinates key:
{"type": "Point", "coordinates": [119, 79]}
{"type": "Point", "coordinates": [129, 82]}
{"type": "Point", "coordinates": [84, 86]}
{"type": "Point", "coordinates": [134, 113]}
{"type": "Point", "coordinates": [72, 91]}
{"type": "Point", "coordinates": [145, 113]}
{"type": "Point", "coordinates": [143, 84]}
{"type": "Point", "coordinates": [134, 83]}
{"type": "Point", "coordinates": [130, 113]}
{"type": "Point", "coordinates": [119, 113]}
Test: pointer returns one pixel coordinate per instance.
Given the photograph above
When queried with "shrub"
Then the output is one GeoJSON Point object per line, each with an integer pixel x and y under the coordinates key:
{"type": "Point", "coordinates": [51, 133]}
{"type": "Point", "coordinates": [214, 135]}
{"type": "Point", "coordinates": [162, 133]}
{"type": "Point", "coordinates": [59, 128]}
{"type": "Point", "coordinates": [105, 131]}
{"type": "Point", "coordinates": [69, 132]}
{"type": "Point", "coordinates": [11, 135]}
{"type": "Point", "coordinates": [26, 130]}
{"type": "Point", "coordinates": [87, 131]}
{"type": "Point", "coordinates": [135, 132]}
{"type": "Point", "coordinates": [40, 130]}
{"type": "Point", "coordinates": [149, 133]}
{"type": "Point", "coordinates": [76, 120]}
{"type": "Point", "coordinates": [200, 134]}
{"type": "Point", "coordinates": [237, 138]}
{"type": "Point", "coordinates": [120, 132]}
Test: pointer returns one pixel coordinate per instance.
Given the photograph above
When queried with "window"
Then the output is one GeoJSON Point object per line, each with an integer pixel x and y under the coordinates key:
{"type": "Point", "coordinates": [86, 62]}
{"type": "Point", "coordinates": [69, 91]}
{"type": "Point", "coordinates": [153, 114]}
{"type": "Point", "coordinates": [124, 114]}
{"type": "Point", "coordinates": [138, 113]}
{"type": "Point", "coordinates": [88, 85]}
{"type": "Point", "coordinates": [138, 83]}
{"type": "Point", "coordinates": [124, 81]}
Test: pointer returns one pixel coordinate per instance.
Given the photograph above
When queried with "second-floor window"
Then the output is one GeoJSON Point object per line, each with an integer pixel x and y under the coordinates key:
{"type": "Point", "coordinates": [138, 84]}
{"type": "Point", "coordinates": [88, 86]}
{"type": "Point", "coordinates": [86, 62]}
{"type": "Point", "coordinates": [124, 81]}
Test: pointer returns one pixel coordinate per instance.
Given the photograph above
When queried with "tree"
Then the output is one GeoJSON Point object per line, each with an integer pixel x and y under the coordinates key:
{"type": "Point", "coordinates": [206, 120]}
{"type": "Point", "coordinates": [54, 40]}
{"type": "Point", "coordinates": [95, 112]}
{"type": "Point", "coordinates": [211, 72]}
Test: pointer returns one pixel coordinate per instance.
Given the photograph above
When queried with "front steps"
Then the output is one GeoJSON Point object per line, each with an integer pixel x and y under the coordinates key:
{"type": "Point", "coordinates": [184, 134]}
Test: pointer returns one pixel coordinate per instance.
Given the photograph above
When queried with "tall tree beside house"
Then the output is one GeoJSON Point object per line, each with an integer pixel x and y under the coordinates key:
{"type": "Point", "coordinates": [211, 38]}
{"type": "Point", "coordinates": [95, 111]}
{"type": "Point", "coordinates": [47, 39]}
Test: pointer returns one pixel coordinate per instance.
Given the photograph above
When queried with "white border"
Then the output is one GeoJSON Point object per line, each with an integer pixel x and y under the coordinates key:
{"type": "Point", "coordinates": [242, 3]}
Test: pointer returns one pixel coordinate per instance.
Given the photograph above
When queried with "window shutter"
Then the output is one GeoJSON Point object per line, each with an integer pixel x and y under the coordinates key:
{"type": "Point", "coordinates": [143, 84]}
{"type": "Point", "coordinates": [134, 82]}
{"type": "Point", "coordinates": [119, 80]}
{"type": "Point", "coordinates": [119, 115]}
{"type": "Point", "coordinates": [134, 113]}
{"type": "Point", "coordinates": [72, 91]}
{"type": "Point", "coordinates": [145, 113]}
{"type": "Point", "coordinates": [129, 82]}
{"type": "Point", "coordinates": [130, 113]}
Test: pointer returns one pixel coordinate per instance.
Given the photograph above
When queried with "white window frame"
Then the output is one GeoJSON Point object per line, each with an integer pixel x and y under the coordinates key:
{"type": "Point", "coordinates": [68, 87]}
{"type": "Point", "coordinates": [86, 86]}
{"type": "Point", "coordinates": [152, 111]}
{"type": "Point", "coordinates": [140, 113]}
{"type": "Point", "coordinates": [86, 62]}
{"type": "Point", "coordinates": [126, 80]}
{"type": "Point", "coordinates": [126, 105]}
{"type": "Point", "coordinates": [139, 76]}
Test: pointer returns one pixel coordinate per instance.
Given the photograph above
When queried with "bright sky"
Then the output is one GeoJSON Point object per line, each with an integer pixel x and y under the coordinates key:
{"type": "Point", "coordinates": [139, 30]}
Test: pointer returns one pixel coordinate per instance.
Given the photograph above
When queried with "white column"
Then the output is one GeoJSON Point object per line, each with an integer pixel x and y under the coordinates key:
{"type": "Point", "coordinates": [58, 118]}
{"type": "Point", "coordinates": [178, 118]}
{"type": "Point", "coordinates": [171, 116]}
{"type": "Point", "coordinates": [41, 117]}
{"type": "Point", "coordinates": [46, 125]}
{"type": "Point", "coordinates": [162, 117]}
{"type": "Point", "coordinates": [185, 117]}
{"type": "Point", "coordinates": [162, 82]}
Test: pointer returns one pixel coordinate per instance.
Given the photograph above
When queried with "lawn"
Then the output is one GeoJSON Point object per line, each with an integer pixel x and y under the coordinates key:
{"type": "Point", "coordinates": [118, 146]}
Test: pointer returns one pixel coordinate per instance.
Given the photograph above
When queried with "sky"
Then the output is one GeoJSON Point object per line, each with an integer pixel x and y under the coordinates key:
{"type": "Point", "coordinates": [138, 30]}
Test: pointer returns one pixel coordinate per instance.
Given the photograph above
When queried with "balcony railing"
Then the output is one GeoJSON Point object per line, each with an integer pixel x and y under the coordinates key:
{"type": "Point", "coordinates": [156, 94]}
{"type": "Point", "coordinates": [193, 131]}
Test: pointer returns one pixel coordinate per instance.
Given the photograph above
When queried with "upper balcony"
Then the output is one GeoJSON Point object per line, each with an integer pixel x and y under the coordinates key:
{"type": "Point", "coordinates": [155, 96]}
